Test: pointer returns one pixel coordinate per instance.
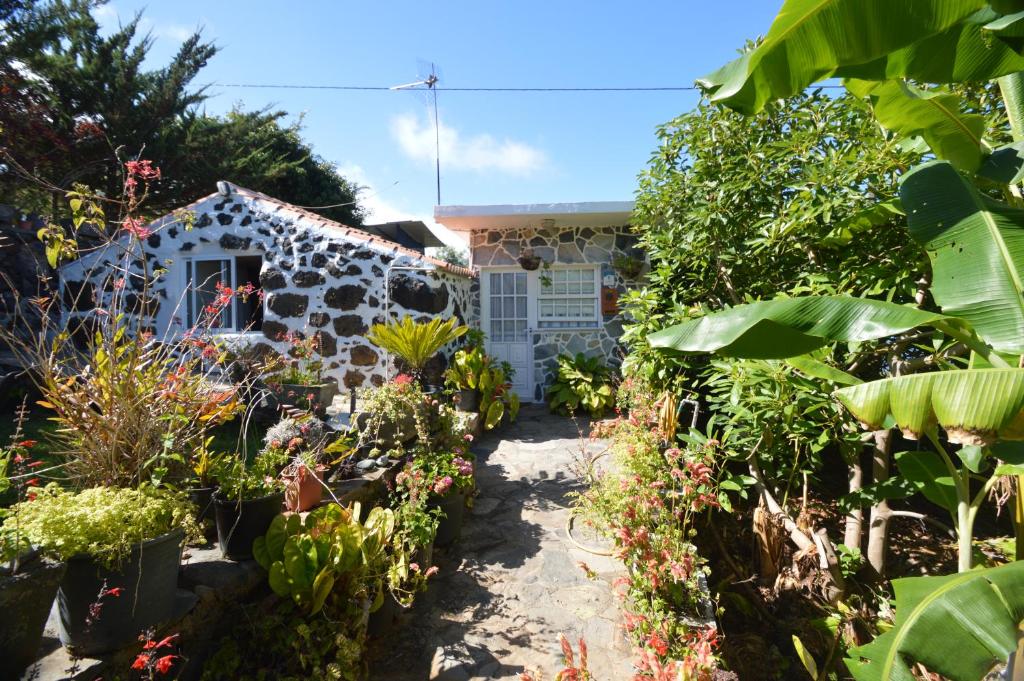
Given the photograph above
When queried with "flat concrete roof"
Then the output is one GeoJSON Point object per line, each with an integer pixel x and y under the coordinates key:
{"type": "Point", "coordinates": [511, 216]}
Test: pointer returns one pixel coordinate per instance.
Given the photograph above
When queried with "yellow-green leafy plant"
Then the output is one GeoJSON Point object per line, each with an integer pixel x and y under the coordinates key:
{"type": "Point", "coordinates": [307, 558]}
{"type": "Point", "coordinates": [105, 523]}
{"type": "Point", "coordinates": [415, 342]}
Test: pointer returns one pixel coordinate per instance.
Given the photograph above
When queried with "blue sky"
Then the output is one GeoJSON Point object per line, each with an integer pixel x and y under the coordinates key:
{"type": "Point", "coordinates": [496, 147]}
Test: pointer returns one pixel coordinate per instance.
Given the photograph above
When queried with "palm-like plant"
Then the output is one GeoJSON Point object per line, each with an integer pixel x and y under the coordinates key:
{"type": "Point", "coordinates": [415, 342]}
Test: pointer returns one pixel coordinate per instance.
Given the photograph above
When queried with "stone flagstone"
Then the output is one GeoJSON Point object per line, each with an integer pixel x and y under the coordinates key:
{"type": "Point", "coordinates": [513, 582]}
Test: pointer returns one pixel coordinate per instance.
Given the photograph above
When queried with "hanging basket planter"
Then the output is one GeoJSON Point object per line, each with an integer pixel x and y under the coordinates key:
{"type": "Point", "coordinates": [629, 266]}
{"type": "Point", "coordinates": [528, 261]}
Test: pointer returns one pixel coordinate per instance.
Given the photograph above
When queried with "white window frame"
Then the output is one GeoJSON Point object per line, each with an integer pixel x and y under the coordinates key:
{"type": "Point", "coordinates": [192, 307]}
{"type": "Point", "coordinates": [569, 323]}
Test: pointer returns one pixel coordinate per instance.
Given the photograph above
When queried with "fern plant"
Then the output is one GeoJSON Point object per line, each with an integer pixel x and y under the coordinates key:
{"type": "Point", "coordinates": [415, 342]}
{"type": "Point", "coordinates": [581, 382]}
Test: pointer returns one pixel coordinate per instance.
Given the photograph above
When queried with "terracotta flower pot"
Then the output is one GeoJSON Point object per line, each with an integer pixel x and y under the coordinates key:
{"type": "Point", "coordinates": [304, 488]}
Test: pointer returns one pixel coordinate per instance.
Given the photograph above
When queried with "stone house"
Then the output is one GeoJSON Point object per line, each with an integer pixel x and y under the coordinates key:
{"type": "Point", "coordinates": [311, 275]}
{"type": "Point", "coordinates": [568, 304]}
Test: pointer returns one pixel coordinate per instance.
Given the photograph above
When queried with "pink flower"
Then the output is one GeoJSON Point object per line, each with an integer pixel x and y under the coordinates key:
{"type": "Point", "coordinates": [431, 571]}
{"type": "Point", "coordinates": [468, 437]}
{"type": "Point", "coordinates": [442, 486]}
{"type": "Point", "coordinates": [415, 567]}
{"type": "Point", "coordinates": [136, 228]}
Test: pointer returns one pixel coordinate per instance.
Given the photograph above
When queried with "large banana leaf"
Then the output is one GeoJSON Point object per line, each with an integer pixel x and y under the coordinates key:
{"type": "Point", "coordinates": [810, 39]}
{"type": "Point", "coordinates": [973, 406]}
{"type": "Point", "coordinates": [963, 52]}
{"type": "Point", "coordinates": [787, 327]}
{"type": "Point", "coordinates": [976, 246]}
{"type": "Point", "coordinates": [1005, 165]}
{"type": "Point", "coordinates": [959, 626]}
{"type": "Point", "coordinates": [932, 114]}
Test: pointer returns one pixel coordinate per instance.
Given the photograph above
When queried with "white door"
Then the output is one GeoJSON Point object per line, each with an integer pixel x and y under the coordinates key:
{"type": "Point", "coordinates": [508, 324]}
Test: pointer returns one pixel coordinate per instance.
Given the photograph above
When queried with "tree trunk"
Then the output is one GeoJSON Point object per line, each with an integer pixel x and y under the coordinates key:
{"type": "Point", "coordinates": [855, 518]}
{"type": "Point", "coordinates": [878, 532]}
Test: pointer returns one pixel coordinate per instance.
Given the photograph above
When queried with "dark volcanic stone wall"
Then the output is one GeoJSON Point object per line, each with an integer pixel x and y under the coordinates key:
{"type": "Point", "coordinates": [318, 278]}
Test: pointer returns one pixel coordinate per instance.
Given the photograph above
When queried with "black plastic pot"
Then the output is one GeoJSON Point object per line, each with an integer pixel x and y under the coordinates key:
{"type": "Point", "coordinates": [240, 522]}
{"type": "Point", "coordinates": [316, 398]}
{"type": "Point", "coordinates": [452, 506]}
{"type": "Point", "coordinates": [382, 620]}
{"type": "Point", "coordinates": [147, 579]}
{"type": "Point", "coordinates": [25, 600]}
{"type": "Point", "coordinates": [202, 499]}
{"type": "Point", "coordinates": [469, 399]}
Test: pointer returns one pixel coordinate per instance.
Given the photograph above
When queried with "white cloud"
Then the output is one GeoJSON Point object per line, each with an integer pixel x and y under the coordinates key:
{"type": "Point", "coordinates": [379, 209]}
{"type": "Point", "coordinates": [108, 17]}
{"type": "Point", "coordinates": [482, 152]}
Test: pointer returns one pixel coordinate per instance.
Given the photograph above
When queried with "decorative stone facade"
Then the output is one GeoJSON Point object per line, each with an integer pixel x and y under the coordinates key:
{"type": "Point", "coordinates": [563, 245]}
{"type": "Point", "coordinates": [317, 276]}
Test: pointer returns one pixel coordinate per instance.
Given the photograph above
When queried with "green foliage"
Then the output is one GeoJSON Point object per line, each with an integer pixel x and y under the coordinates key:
{"type": "Point", "coordinates": [788, 327]}
{"type": "Point", "coordinates": [937, 42]}
{"type": "Point", "coordinates": [976, 251]}
{"type": "Point", "coordinates": [75, 92]}
{"type": "Point", "coordinates": [306, 558]}
{"type": "Point", "coordinates": [415, 342]}
{"type": "Point", "coordinates": [467, 367]}
{"type": "Point", "coordinates": [102, 522]}
{"type": "Point", "coordinates": [581, 382]}
{"type": "Point", "coordinates": [452, 256]}
{"type": "Point", "coordinates": [978, 612]}
{"type": "Point", "coordinates": [240, 479]}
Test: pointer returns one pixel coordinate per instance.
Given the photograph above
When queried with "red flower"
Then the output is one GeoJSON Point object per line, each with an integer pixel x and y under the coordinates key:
{"type": "Point", "coordinates": [115, 592]}
{"type": "Point", "coordinates": [164, 664]}
{"type": "Point", "coordinates": [27, 444]}
{"type": "Point", "coordinates": [136, 227]}
{"type": "Point", "coordinates": [141, 661]}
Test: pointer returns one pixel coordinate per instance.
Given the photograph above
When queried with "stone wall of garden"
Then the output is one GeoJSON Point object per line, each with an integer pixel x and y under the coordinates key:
{"type": "Point", "coordinates": [317, 276]}
{"type": "Point", "coordinates": [567, 245]}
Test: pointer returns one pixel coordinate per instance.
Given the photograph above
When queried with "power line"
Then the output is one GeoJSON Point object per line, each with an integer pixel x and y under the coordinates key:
{"type": "Point", "coordinates": [375, 88]}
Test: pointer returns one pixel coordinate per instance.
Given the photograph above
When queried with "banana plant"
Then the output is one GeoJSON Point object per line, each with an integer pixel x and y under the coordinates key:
{"type": "Point", "coordinates": [975, 243]}
{"type": "Point", "coordinates": [960, 626]}
{"type": "Point", "coordinates": [306, 558]}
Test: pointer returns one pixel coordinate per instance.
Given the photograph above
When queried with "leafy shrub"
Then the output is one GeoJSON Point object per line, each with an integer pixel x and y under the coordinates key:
{"type": "Point", "coordinates": [581, 382]}
{"type": "Point", "coordinates": [102, 522]}
{"type": "Point", "coordinates": [414, 342]}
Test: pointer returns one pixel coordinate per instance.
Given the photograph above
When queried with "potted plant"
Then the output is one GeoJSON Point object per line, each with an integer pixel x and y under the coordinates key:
{"type": "Point", "coordinates": [201, 483]}
{"type": "Point", "coordinates": [301, 383]}
{"type": "Point", "coordinates": [464, 373]}
{"type": "Point", "coordinates": [630, 265]}
{"type": "Point", "coordinates": [300, 442]}
{"type": "Point", "coordinates": [416, 343]}
{"type": "Point", "coordinates": [28, 580]}
{"type": "Point", "coordinates": [444, 478]}
{"type": "Point", "coordinates": [122, 548]}
{"type": "Point", "coordinates": [247, 500]}
{"type": "Point", "coordinates": [528, 260]}
{"type": "Point", "coordinates": [393, 415]}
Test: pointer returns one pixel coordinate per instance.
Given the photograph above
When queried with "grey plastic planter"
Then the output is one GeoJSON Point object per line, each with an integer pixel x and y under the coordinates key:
{"type": "Point", "coordinates": [148, 579]}
{"type": "Point", "coordinates": [25, 600]}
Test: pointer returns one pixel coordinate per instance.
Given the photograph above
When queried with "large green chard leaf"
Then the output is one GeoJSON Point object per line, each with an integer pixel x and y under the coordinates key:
{"type": "Point", "coordinates": [810, 39]}
{"type": "Point", "coordinates": [973, 406]}
{"type": "Point", "coordinates": [932, 114]}
{"type": "Point", "coordinates": [960, 626]}
{"type": "Point", "coordinates": [787, 327]}
{"type": "Point", "coordinates": [976, 246]}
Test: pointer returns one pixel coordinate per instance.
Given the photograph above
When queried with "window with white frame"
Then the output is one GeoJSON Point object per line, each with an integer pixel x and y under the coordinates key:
{"type": "Point", "coordinates": [569, 298]}
{"type": "Point", "coordinates": [204, 276]}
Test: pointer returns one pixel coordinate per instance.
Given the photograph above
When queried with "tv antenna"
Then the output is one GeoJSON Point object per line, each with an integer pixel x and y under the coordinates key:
{"type": "Point", "coordinates": [428, 81]}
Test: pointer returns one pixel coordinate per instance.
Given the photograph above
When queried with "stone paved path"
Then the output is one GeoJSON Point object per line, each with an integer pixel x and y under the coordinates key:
{"type": "Point", "coordinates": [512, 582]}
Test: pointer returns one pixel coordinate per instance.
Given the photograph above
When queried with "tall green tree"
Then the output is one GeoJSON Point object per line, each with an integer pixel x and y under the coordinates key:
{"type": "Point", "coordinates": [77, 103]}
